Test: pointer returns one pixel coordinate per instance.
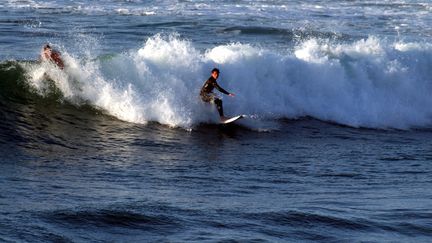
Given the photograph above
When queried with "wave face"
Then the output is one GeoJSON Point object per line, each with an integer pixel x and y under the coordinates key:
{"type": "Point", "coordinates": [367, 83]}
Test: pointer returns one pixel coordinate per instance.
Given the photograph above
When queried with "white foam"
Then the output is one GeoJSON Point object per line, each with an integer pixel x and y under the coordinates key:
{"type": "Point", "coordinates": [368, 83]}
{"type": "Point", "coordinates": [82, 82]}
{"type": "Point", "coordinates": [28, 4]}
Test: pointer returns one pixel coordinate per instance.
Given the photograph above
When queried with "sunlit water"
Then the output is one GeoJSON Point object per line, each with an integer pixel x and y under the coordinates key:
{"type": "Point", "coordinates": [119, 147]}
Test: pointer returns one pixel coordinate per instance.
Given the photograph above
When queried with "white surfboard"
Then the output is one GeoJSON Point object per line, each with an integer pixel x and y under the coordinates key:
{"type": "Point", "coordinates": [232, 119]}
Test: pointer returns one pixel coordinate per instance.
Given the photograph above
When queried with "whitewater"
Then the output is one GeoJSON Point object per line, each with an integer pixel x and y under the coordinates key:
{"type": "Point", "coordinates": [357, 63]}
{"type": "Point", "coordinates": [367, 83]}
{"type": "Point", "coordinates": [119, 147]}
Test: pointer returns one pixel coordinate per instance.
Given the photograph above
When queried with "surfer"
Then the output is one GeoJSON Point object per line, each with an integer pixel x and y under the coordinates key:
{"type": "Point", "coordinates": [207, 94]}
{"type": "Point", "coordinates": [48, 54]}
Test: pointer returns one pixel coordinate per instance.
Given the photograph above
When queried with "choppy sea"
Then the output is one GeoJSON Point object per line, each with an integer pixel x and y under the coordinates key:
{"type": "Point", "coordinates": [336, 145]}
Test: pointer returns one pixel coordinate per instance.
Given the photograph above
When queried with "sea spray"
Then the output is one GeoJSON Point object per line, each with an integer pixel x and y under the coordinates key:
{"type": "Point", "coordinates": [367, 83]}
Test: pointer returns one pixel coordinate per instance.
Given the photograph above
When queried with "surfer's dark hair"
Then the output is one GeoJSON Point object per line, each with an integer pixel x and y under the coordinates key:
{"type": "Point", "coordinates": [47, 46]}
{"type": "Point", "coordinates": [215, 70]}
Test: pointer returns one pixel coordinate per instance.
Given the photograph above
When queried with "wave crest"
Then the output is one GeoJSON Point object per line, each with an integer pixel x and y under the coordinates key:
{"type": "Point", "coordinates": [368, 83]}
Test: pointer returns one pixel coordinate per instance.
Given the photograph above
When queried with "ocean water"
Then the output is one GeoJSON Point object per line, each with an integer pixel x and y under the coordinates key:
{"type": "Point", "coordinates": [117, 147]}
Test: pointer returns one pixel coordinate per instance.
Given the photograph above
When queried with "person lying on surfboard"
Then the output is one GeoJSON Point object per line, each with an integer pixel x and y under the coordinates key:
{"type": "Point", "coordinates": [48, 54]}
{"type": "Point", "coordinates": [207, 94]}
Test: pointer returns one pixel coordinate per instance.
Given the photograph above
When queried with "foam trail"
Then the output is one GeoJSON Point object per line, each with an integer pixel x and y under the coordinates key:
{"type": "Point", "coordinates": [368, 83]}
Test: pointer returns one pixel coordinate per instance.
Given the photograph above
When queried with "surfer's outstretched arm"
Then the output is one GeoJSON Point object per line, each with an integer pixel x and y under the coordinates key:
{"type": "Point", "coordinates": [218, 87]}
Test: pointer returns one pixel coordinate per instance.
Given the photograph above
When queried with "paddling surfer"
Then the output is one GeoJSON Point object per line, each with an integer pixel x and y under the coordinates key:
{"type": "Point", "coordinates": [207, 94]}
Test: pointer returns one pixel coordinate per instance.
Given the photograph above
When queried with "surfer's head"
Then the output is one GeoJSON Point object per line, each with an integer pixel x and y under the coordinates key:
{"type": "Point", "coordinates": [47, 47]}
{"type": "Point", "coordinates": [215, 73]}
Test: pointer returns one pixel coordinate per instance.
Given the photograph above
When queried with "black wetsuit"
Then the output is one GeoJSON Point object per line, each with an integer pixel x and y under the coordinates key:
{"type": "Point", "coordinates": [207, 94]}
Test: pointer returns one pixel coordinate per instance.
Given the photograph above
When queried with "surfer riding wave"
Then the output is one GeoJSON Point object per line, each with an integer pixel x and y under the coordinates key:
{"type": "Point", "coordinates": [207, 94]}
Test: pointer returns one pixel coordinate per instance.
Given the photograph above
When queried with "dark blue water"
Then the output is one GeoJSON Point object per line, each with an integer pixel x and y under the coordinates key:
{"type": "Point", "coordinates": [117, 147]}
{"type": "Point", "coordinates": [309, 181]}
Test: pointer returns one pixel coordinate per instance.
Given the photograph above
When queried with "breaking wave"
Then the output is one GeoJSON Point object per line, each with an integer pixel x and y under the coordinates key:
{"type": "Point", "coordinates": [370, 83]}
